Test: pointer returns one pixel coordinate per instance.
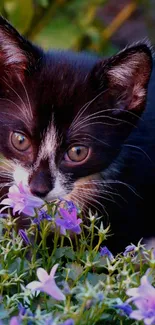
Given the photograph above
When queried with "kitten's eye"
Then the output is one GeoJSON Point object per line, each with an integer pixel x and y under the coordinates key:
{"type": "Point", "coordinates": [20, 141]}
{"type": "Point", "coordinates": [77, 153]}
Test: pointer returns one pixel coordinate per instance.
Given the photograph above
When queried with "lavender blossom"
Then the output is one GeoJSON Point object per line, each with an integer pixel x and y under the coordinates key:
{"type": "Point", "coordinates": [69, 321]}
{"type": "Point", "coordinates": [129, 249]}
{"type": "Point", "coordinates": [143, 297]}
{"type": "Point", "coordinates": [20, 200]}
{"type": "Point", "coordinates": [69, 221]}
{"type": "Point", "coordinates": [47, 283]}
{"type": "Point", "coordinates": [42, 215]}
{"type": "Point", "coordinates": [14, 321]}
{"type": "Point", "coordinates": [23, 234]}
{"type": "Point", "coordinates": [104, 251]}
{"type": "Point", "coordinates": [69, 205]}
{"type": "Point", "coordinates": [125, 307]}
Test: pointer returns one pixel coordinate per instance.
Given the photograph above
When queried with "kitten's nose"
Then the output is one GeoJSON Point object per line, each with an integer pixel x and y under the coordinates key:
{"type": "Point", "coordinates": [41, 183]}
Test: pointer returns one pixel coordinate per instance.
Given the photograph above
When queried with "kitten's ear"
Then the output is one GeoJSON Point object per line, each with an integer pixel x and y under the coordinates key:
{"type": "Point", "coordinates": [17, 55]}
{"type": "Point", "coordinates": [126, 75]}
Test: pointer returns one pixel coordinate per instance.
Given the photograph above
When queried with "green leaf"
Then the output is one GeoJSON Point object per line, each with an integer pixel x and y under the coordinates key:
{"type": "Point", "coordinates": [94, 278]}
{"type": "Point", "coordinates": [43, 3]}
{"type": "Point", "coordinates": [65, 251]}
{"type": "Point", "coordinates": [20, 13]}
{"type": "Point", "coordinates": [75, 270]}
{"type": "Point", "coordinates": [60, 33]}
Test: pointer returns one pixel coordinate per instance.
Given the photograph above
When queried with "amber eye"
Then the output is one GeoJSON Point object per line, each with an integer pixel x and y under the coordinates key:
{"type": "Point", "coordinates": [20, 141]}
{"type": "Point", "coordinates": [77, 153]}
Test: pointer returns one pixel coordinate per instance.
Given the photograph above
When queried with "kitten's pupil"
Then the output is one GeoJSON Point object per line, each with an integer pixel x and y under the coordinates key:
{"type": "Point", "coordinates": [77, 150]}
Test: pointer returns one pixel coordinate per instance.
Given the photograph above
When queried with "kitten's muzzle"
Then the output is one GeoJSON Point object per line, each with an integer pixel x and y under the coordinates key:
{"type": "Point", "coordinates": [41, 183]}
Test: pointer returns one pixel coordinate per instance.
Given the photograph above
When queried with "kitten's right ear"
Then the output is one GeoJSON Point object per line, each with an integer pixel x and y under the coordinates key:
{"type": "Point", "coordinates": [125, 76]}
{"type": "Point", "coordinates": [17, 55]}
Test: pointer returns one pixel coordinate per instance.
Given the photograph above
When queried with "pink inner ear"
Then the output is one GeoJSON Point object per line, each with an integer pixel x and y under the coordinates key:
{"type": "Point", "coordinates": [131, 74]}
{"type": "Point", "coordinates": [138, 96]}
{"type": "Point", "coordinates": [11, 55]}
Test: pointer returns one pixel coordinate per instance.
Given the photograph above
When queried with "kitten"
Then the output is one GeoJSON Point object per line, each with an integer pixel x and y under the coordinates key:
{"type": "Point", "coordinates": [64, 120]}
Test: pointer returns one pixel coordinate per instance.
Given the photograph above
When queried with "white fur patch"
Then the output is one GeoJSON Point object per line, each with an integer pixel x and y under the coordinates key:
{"type": "Point", "coordinates": [48, 146]}
{"type": "Point", "coordinates": [59, 190]}
{"type": "Point", "coordinates": [20, 174]}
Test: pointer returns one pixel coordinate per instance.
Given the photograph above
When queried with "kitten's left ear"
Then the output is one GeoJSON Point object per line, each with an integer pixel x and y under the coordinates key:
{"type": "Point", "coordinates": [126, 75]}
{"type": "Point", "coordinates": [17, 55]}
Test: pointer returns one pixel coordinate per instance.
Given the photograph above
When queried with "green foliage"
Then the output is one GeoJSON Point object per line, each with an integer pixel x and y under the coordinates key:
{"type": "Point", "coordinates": [74, 24]}
{"type": "Point", "coordinates": [20, 13]}
{"type": "Point", "coordinates": [58, 23]}
{"type": "Point", "coordinates": [92, 284]}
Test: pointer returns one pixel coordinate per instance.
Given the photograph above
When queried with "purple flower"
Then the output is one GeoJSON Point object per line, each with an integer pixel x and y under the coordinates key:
{"type": "Point", "coordinates": [69, 205]}
{"type": "Point", "coordinates": [66, 288]}
{"type": "Point", "coordinates": [69, 221]}
{"type": "Point", "coordinates": [129, 249]}
{"type": "Point", "coordinates": [104, 251]}
{"type": "Point", "coordinates": [23, 234]}
{"type": "Point", "coordinates": [48, 321]}
{"type": "Point", "coordinates": [126, 308]}
{"type": "Point", "coordinates": [20, 200]}
{"type": "Point", "coordinates": [42, 215]}
{"type": "Point", "coordinates": [47, 283]}
{"type": "Point", "coordinates": [100, 296]}
{"type": "Point", "coordinates": [69, 321]}
{"type": "Point", "coordinates": [14, 321]}
{"type": "Point", "coordinates": [143, 298]}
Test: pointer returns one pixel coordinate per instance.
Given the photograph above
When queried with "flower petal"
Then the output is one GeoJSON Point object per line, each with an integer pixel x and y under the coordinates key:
{"type": "Point", "coordinates": [136, 314]}
{"type": "Point", "coordinates": [42, 274]}
{"type": "Point", "coordinates": [34, 285]}
{"type": "Point", "coordinates": [76, 229]}
{"type": "Point", "coordinates": [64, 213]}
{"type": "Point", "coordinates": [29, 211]}
{"type": "Point", "coordinates": [7, 202]}
{"type": "Point", "coordinates": [53, 270]}
{"type": "Point", "coordinates": [18, 207]}
{"type": "Point", "coordinates": [14, 321]}
{"type": "Point", "coordinates": [52, 289]}
{"type": "Point", "coordinates": [14, 189]}
{"type": "Point", "coordinates": [149, 321]}
{"type": "Point", "coordinates": [133, 292]}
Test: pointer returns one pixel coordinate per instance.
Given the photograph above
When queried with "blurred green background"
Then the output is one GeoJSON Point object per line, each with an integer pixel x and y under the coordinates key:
{"type": "Point", "coordinates": [101, 26]}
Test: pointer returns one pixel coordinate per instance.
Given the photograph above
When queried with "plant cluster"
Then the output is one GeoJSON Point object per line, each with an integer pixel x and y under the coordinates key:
{"type": "Point", "coordinates": [58, 271]}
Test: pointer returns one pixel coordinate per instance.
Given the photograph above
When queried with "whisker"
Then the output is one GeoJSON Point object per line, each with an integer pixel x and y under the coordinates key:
{"type": "Point", "coordinates": [28, 100]}
{"type": "Point", "coordinates": [95, 114]}
{"type": "Point", "coordinates": [126, 185]}
{"type": "Point", "coordinates": [2, 185]}
{"type": "Point", "coordinates": [136, 147]}
{"type": "Point", "coordinates": [91, 137]}
{"type": "Point", "coordinates": [11, 101]}
{"type": "Point", "coordinates": [76, 201]}
{"type": "Point", "coordinates": [85, 198]}
{"type": "Point", "coordinates": [83, 125]}
{"type": "Point", "coordinates": [15, 93]}
{"type": "Point", "coordinates": [97, 195]}
{"type": "Point", "coordinates": [84, 107]}
{"type": "Point", "coordinates": [15, 116]}
{"type": "Point", "coordinates": [6, 162]}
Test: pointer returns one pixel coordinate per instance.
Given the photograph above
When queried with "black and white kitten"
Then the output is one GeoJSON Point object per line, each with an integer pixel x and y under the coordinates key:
{"type": "Point", "coordinates": [64, 120]}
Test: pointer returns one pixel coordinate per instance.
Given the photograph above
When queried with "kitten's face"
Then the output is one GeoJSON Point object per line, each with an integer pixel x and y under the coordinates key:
{"type": "Point", "coordinates": [64, 116]}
